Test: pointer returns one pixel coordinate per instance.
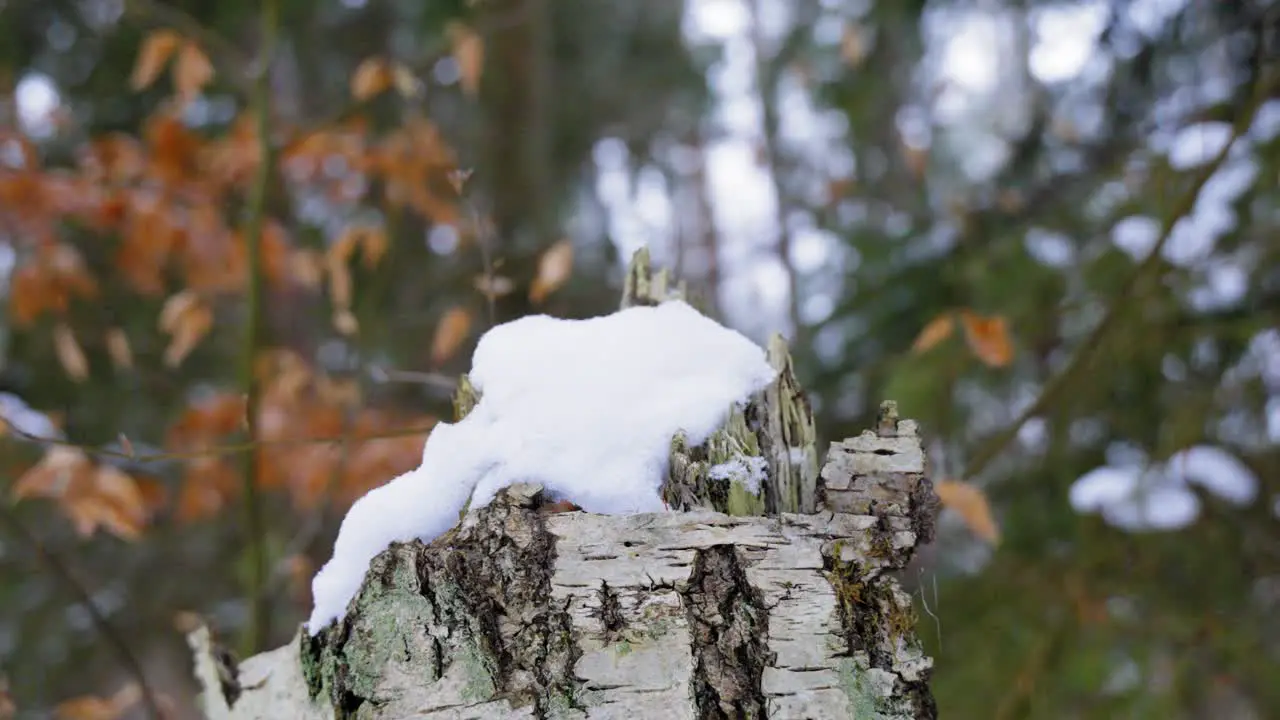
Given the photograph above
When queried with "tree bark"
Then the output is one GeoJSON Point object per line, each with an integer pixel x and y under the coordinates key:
{"type": "Point", "coordinates": [520, 612]}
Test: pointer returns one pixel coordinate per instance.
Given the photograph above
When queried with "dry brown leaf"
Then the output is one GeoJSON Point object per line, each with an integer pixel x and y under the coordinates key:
{"type": "Point", "coordinates": [405, 82]}
{"type": "Point", "coordinates": [7, 707]}
{"type": "Point", "coordinates": [372, 77]}
{"type": "Point", "coordinates": [853, 45]}
{"type": "Point", "coordinates": [458, 179]}
{"type": "Point", "coordinates": [186, 319]}
{"type": "Point", "coordinates": [62, 470]}
{"type": "Point", "coordinates": [70, 356]}
{"type": "Point", "coordinates": [299, 569]}
{"type": "Point", "coordinates": [90, 707]}
{"type": "Point", "coordinates": [306, 267]}
{"type": "Point", "coordinates": [336, 259]}
{"type": "Point", "coordinates": [988, 338]}
{"type": "Point", "coordinates": [209, 483]}
{"type": "Point", "coordinates": [118, 348]}
{"type": "Point", "coordinates": [916, 159]}
{"type": "Point", "coordinates": [191, 71]}
{"type": "Point", "coordinates": [554, 268]}
{"type": "Point", "coordinates": [92, 497]}
{"type": "Point", "coordinates": [345, 322]}
{"type": "Point", "coordinates": [340, 392]}
{"type": "Point", "coordinates": [156, 50]}
{"type": "Point", "coordinates": [123, 507]}
{"type": "Point", "coordinates": [89, 512]}
{"type": "Point", "coordinates": [935, 332]}
{"type": "Point", "coordinates": [495, 286]}
{"type": "Point", "coordinates": [453, 329]}
{"type": "Point", "coordinates": [174, 308]}
{"type": "Point", "coordinates": [971, 504]}
{"type": "Point", "coordinates": [373, 246]}
{"type": "Point", "coordinates": [468, 52]}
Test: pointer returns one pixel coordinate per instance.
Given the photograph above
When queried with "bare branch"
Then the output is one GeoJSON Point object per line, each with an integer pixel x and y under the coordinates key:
{"type": "Point", "coordinates": [104, 627]}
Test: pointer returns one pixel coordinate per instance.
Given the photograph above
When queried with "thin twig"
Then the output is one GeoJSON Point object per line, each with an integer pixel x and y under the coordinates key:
{"type": "Point", "coordinates": [924, 600]}
{"type": "Point", "coordinates": [216, 450]}
{"type": "Point", "coordinates": [486, 259]}
{"type": "Point", "coordinates": [100, 621]}
{"type": "Point", "coordinates": [436, 380]}
{"type": "Point", "coordinates": [1183, 206]}
{"type": "Point", "coordinates": [767, 86]}
{"type": "Point", "coordinates": [257, 631]}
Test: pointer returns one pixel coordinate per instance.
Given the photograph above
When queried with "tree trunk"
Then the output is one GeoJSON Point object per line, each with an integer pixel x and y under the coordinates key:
{"type": "Point", "coordinates": [754, 612]}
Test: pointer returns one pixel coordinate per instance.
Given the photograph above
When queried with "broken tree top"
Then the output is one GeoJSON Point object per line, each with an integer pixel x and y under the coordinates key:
{"type": "Point", "coordinates": [586, 408]}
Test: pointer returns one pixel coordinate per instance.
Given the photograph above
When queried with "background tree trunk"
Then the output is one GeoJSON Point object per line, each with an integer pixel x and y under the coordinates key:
{"type": "Point", "coordinates": [522, 612]}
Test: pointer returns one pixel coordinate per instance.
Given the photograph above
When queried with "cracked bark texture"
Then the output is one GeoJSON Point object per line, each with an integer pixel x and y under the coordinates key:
{"type": "Point", "coordinates": [523, 613]}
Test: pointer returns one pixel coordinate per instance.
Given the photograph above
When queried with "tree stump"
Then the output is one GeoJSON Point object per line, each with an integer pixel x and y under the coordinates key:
{"type": "Point", "coordinates": [763, 594]}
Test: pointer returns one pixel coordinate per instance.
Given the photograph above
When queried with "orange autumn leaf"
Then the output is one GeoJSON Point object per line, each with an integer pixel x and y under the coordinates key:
{"type": "Point", "coordinates": [90, 707]}
{"type": "Point", "coordinates": [8, 708]}
{"type": "Point", "coordinates": [62, 470]}
{"type": "Point", "coordinates": [988, 338]}
{"type": "Point", "coordinates": [373, 76]}
{"type": "Point", "coordinates": [205, 422]}
{"type": "Point", "coordinates": [450, 333]}
{"type": "Point", "coordinates": [156, 50]}
{"type": "Point", "coordinates": [345, 322]}
{"type": "Point", "coordinates": [92, 497]}
{"type": "Point", "coordinates": [494, 286]}
{"type": "Point", "coordinates": [306, 268]}
{"type": "Point", "coordinates": [373, 246]}
{"type": "Point", "coordinates": [336, 259]}
{"type": "Point", "coordinates": [90, 512]}
{"type": "Point", "coordinates": [186, 319]}
{"type": "Point", "coordinates": [554, 268]}
{"type": "Point", "coordinates": [468, 52]}
{"type": "Point", "coordinates": [406, 84]}
{"type": "Point", "coordinates": [118, 348]}
{"type": "Point", "coordinates": [191, 71]}
{"type": "Point", "coordinates": [935, 332]}
{"type": "Point", "coordinates": [70, 356]}
{"type": "Point", "coordinates": [854, 45]}
{"type": "Point", "coordinates": [970, 503]}
{"type": "Point", "coordinates": [119, 504]}
{"type": "Point", "coordinates": [370, 240]}
{"type": "Point", "coordinates": [209, 483]}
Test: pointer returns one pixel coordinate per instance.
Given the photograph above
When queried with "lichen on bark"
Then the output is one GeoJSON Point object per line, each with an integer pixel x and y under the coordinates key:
{"type": "Point", "coordinates": [469, 615]}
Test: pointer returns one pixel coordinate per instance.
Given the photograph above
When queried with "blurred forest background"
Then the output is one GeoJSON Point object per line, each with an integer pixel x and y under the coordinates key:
{"type": "Point", "coordinates": [1048, 229]}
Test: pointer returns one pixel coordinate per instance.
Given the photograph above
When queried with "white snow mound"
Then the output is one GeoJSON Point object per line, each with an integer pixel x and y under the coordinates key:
{"type": "Point", "coordinates": [587, 408]}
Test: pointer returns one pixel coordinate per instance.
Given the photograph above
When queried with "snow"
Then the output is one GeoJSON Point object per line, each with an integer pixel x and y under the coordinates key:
{"type": "Point", "coordinates": [587, 408]}
{"type": "Point", "coordinates": [1135, 496]}
{"type": "Point", "coordinates": [748, 471]}
{"type": "Point", "coordinates": [16, 413]}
